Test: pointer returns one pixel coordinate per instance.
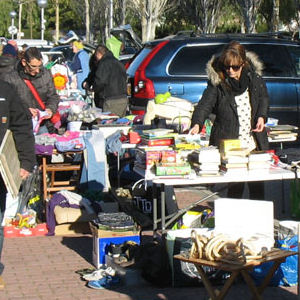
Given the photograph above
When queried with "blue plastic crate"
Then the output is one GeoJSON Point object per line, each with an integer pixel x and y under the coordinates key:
{"type": "Point", "coordinates": [100, 246]}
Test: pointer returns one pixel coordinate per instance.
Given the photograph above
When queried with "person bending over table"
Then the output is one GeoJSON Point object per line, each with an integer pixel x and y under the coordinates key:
{"type": "Point", "coordinates": [237, 95]}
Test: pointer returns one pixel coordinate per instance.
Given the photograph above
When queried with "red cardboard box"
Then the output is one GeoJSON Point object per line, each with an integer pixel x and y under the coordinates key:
{"type": "Point", "coordinates": [38, 230]}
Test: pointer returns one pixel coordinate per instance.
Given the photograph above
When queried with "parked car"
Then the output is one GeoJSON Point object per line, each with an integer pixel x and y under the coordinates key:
{"type": "Point", "coordinates": [131, 44]}
{"type": "Point", "coordinates": [177, 64]}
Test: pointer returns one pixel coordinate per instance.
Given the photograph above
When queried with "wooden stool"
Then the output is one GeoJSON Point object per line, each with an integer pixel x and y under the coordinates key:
{"type": "Point", "coordinates": [52, 168]}
{"type": "Point", "coordinates": [277, 256]}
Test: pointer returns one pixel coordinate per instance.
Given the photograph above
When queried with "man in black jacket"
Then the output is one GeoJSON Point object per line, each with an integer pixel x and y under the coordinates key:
{"type": "Point", "coordinates": [108, 80]}
{"type": "Point", "coordinates": [31, 68]}
{"type": "Point", "coordinates": [13, 117]}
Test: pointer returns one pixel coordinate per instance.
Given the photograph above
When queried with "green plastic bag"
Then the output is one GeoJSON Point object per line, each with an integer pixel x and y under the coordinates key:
{"type": "Point", "coordinates": [114, 45]}
{"type": "Point", "coordinates": [295, 199]}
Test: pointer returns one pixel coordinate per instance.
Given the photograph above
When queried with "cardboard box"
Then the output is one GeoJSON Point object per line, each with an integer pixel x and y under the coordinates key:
{"type": "Point", "coordinates": [173, 169]}
{"type": "Point", "coordinates": [244, 218]}
{"type": "Point", "coordinates": [102, 239]}
{"type": "Point", "coordinates": [38, 230]}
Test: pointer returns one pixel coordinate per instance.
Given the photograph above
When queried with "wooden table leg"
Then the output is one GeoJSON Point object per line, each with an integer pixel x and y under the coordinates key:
{"type": "Point", "coordinates": [44, 163]}
{"type": "Point", "coordinates": [251, 285]}
{"type": "Point", "coordinates": [213, 293]}
{"type": "Point", "coordinates": [269, 276]}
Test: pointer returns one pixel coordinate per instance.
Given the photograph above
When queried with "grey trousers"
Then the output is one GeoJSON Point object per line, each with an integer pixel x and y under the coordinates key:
{"type": "Point", "coordinates": [116, 106]}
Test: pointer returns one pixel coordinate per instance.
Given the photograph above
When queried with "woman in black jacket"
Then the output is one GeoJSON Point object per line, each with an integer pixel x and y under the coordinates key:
{"type": "Point", "coordinates": [237, 95]}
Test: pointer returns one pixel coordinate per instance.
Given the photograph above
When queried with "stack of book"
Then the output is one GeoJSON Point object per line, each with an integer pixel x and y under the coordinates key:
{"type": "Point", "coordinates": [282, 133]}
{"type": "Point", "coordinates": [235, 160]}
{"type": "Point", "coordinates": [234, 163]}
{"type": "Point", "coordinates": [259, 160]}
{"type": "Point", "coordinates": [158, 137]}
{"type": "Point", "coordinates": [206, 161]}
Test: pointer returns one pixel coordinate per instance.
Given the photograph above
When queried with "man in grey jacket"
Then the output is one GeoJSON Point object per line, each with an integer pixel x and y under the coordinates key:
{"type": "Point", "coordinates": [30, 67]}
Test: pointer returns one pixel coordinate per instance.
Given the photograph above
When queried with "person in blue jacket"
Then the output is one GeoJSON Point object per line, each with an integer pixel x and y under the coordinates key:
{"type": "Point", "coordinates": [80, 64]}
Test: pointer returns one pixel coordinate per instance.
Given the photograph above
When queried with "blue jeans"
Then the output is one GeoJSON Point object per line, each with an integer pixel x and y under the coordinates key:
{"type": "Point", "coordinates": [94, 175]}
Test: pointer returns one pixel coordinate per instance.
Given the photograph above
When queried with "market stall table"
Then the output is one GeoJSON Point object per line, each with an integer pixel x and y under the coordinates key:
{"type": "Point", "coordinates": [274, 173]}
{"type": "Point", "coordinates": [277, 256]}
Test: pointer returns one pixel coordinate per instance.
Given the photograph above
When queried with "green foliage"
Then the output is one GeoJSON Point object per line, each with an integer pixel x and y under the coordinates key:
{"type": "Point", "coordinates": [6, 6]}
{"type": "Point", "coordinates": [287, 11]}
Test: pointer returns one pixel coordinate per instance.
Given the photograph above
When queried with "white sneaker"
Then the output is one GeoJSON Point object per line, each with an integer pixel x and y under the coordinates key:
{"type": "Point", "coordinates": [99, 274]}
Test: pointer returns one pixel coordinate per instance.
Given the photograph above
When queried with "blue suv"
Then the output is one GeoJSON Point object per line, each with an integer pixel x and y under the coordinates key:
{"type": "Point", "coordinates": [178, 64]}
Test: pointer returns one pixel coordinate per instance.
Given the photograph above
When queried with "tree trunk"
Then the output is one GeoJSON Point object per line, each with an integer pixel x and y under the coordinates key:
{"type": "Point", "coordinates": [275, 16]}
{"type": "Point", "coordinates": [87, 20]}
{"type": "Point", "coordinates": [56, 20]}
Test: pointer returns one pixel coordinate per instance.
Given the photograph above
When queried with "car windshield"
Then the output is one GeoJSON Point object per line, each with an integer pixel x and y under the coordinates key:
{"type": "Point", "coordinates": [138, 60]}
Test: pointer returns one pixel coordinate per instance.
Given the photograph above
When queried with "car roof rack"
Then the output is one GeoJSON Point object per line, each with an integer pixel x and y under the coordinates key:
{"type": "Point", "coordinates": [279, 34]}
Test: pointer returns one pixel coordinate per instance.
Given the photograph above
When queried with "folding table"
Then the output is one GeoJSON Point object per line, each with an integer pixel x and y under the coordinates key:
{"type": "Point", "coordinates": [277, 256]}
{"type": "Point", "coordinates": [275, 173]}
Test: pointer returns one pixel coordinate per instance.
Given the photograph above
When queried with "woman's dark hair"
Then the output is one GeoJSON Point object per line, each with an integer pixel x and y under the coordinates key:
{"type": "Point", "coordinates": [101, 49]}
{"type": "Point", "coordinates": [32, 53]}
{"type": "Point", "coordinates": [233, 54]}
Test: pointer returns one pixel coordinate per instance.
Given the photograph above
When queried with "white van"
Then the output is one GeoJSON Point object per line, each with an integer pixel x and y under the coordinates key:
{"type": "Point", "coordinates": [42, 44]}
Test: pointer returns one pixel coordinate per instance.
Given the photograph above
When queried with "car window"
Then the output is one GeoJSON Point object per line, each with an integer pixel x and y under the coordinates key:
{"type": "Point", "coordinates": [276, 59]}
{"type": "Point", "coordinates": [192, 59]}
{"type": "Point", "coordinates": [295, 55]}
{"type": "Point", "coordinates": [138, 60]}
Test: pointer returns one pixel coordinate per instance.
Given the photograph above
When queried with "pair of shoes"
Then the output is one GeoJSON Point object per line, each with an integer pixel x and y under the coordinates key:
{"type": "Point", "coordinates": [2, 283]}
{"type": "Point", "coordinates": [83, 272]}
{"type": "Point", "coordinates": [99, 274]}
{"type": "Point", "coordinates": [105, 282]}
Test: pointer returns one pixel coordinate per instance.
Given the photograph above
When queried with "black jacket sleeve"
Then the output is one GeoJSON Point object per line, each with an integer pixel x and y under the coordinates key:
{"type": "Point", "coordinates": [205, 106]}
{"type": "Point", "coordinates": [21, 126]}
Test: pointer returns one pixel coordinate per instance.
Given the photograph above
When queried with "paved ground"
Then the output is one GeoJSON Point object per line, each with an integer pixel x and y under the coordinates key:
{"type": "Point", "coordinates": [43, 268]}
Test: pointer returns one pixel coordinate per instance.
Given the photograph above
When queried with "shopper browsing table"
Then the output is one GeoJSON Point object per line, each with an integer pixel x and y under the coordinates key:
{"type": "Point", "coordinates": [31, 68]}
{"type": "Point", "coordinates": [109, 83]}
{"type": "Point", "coordinates": [13, 117]}
{"type": "Point", "coordinates": [237, 95]}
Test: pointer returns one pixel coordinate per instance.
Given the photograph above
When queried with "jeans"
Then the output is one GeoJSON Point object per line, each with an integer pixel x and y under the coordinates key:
{"type": "Point", "coordinates": [94, 175]}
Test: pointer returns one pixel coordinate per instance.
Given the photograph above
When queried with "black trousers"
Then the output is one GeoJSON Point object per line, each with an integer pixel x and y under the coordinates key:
{"type": "Point", "coordinates": [256, 190]}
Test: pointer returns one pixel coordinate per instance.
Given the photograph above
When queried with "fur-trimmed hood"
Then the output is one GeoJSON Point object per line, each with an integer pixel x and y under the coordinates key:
{"type": "Point", "coordinates": [255, 63]}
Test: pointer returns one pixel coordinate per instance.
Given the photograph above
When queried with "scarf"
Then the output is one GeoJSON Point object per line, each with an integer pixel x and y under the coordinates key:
{"type": "Point", "coordinates": [238, 87]}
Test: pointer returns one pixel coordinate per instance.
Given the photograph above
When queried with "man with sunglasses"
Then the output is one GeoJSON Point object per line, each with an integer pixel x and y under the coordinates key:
{"type": "Point", "coordinates": [237, 95]}
{"type": "Point", "coordinates": [30, 68]}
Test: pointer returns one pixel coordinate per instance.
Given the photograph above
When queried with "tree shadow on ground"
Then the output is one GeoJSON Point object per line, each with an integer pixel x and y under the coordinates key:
{"type": "Point", "coordinates": [83, 245]}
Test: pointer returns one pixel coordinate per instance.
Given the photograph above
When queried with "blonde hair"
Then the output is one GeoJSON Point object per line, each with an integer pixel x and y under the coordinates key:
{"type": "Point", "coordinates": [78, 45]}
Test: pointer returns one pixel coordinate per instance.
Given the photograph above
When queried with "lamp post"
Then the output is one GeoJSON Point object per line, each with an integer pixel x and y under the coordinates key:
{"type": "Point", "coordinates": [12, 31]}
{"type": "Point", "coordinates": [42, 4]}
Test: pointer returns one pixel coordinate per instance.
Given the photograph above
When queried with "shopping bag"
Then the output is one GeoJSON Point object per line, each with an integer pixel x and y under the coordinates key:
{"type": "Point", "coordinates": [30, 194]}
{"type": "Point", "coordinates": [287, 273]}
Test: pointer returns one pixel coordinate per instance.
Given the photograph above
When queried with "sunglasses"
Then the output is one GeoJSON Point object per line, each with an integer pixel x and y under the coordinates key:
{"type": "Point", "coordinates": [33, 67]}
{"type": "Point", "coordinates": [235, 68]}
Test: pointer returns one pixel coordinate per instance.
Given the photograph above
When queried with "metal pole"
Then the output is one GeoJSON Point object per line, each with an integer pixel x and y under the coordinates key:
{"type": "Point", "coordinates": [111, 12]}
{"type": "Point", "coordinates": [42, 23]}
{"type": "Point", "coordinates": [12, 24]}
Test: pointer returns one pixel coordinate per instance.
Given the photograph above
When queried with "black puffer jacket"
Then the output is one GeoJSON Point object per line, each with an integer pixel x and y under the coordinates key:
{"type": "Point", "coordinates": [217, 100]}
{"type": "Point", "coordinates": [7, 64]}
{"type": "Point", "coordinates": [43, 82]}
{"type": "Point", "coordinates": [13, 117]}
{"type": "Point", "coordinates": [110, 78]}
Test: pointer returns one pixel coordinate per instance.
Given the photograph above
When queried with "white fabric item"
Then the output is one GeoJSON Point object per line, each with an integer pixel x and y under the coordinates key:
{"type": "Point", "coordinates": [77, 199]}
{"type": "Point", "coordinates": [174, 110]}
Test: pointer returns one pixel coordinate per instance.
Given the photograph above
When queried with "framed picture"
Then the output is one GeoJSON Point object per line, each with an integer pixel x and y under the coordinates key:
{"type": "Point", "coordinates": [10, 165]}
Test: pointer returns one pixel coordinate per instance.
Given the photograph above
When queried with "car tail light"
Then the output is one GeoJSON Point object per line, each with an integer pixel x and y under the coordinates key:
{"type": "Point", "coordinates": [143, 86]}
